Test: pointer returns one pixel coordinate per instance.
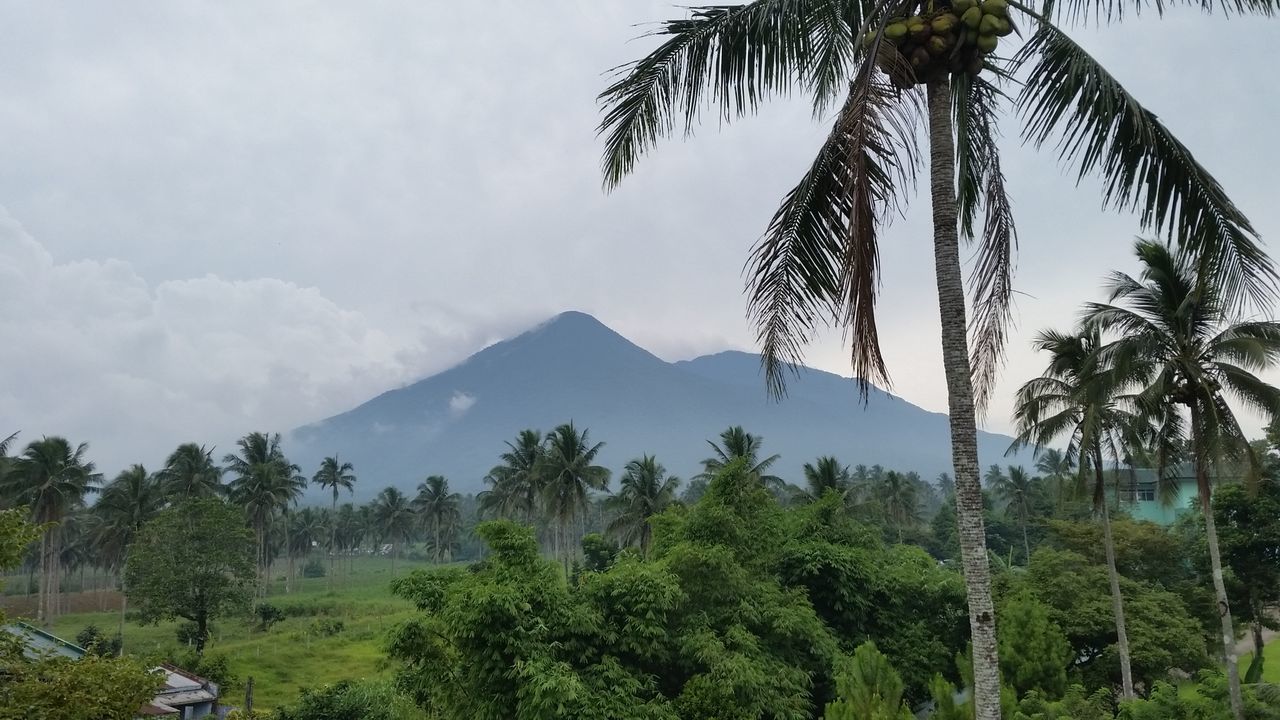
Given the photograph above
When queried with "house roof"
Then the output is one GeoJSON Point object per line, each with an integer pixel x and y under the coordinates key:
{"type": "Point", "coordinates": [37, 643]}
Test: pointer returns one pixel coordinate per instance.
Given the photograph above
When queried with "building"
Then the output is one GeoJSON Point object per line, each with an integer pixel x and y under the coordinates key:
{"type": "Point", "coordinates": [1144, 498]}
{"type": "Point", "coordinates": [184, 697]}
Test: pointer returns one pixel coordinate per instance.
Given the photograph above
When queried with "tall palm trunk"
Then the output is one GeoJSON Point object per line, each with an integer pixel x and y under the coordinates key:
{"type": "Point", "coordinates": [1117, 601]}
{"type": "Point", "coordinates": [333, 537]}
{"type": "Point", "coordinates": [1026, 544]}
{"type": "Point", "coordinates": [964, 431]}
{"type": "Point", "coordinates": [43, 586]}
{"type": "Point", "coordinates": [124, 603]}
{"type": "Point", "coordinates": [1215, 563]}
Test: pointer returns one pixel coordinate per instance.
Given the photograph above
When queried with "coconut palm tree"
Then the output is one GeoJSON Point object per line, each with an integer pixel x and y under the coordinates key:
{"type": "Point", "coordinates": [1056, 469]}
{"type": "Point", "coordinates": [899, 497]}
{"type": "Point", "coordinates": [1080, 397]}
{"type": "Point", "coordinates": [823, 475]}
{"type": "Point", "coordinates": [127, 503]}
{"type": "Point", "coordinates": [190, 472]}
{"type": "Point", "coordinates": [818, 259]}
{"type": "Point", "coordinates": [5, 460]}
{"type": "Point", "coordinates": [51, 478]}
{"type": "Point", "coordinates": [736, 443]}
{"type": "Point", "coordinates": [336, 476]}
{"type": "Point", "coordinates": [437, 509]}
{"type": "Point", "coordinates": [393, 520]}
{"type": "Point", "coordinates": [265, 484]}
{"type": "Point", "coordinates": [1178, 338]}
{"type": "Point", "coordinates": [349, 531]}
{"type": "Point", "coordinates": [516, 484]}
{"type": "Point", "coordinates": [1015, 489]}
{"type": "Point", "coordinates": [569, 473]}
{"type": "Point", "coordinates": [645, 490]}
{"type": "Point", "coordinates": [308, 528]}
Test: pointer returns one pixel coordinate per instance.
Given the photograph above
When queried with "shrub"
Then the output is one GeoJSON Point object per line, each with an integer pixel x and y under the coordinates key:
{"type": "Point", "coordinates": [268, 615]}
{"type": "Point", "coordinates": [313, 569]}
{"type": "Point", "coordinates": [186, 632]}
{"type": "Point", "coordinates": [327, 627]}
{"type": "Point", "coordinates": [97, 643]}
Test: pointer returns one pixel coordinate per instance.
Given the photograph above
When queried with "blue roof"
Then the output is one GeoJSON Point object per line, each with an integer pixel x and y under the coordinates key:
{"type": "Point", "coordinates": [37, 643]}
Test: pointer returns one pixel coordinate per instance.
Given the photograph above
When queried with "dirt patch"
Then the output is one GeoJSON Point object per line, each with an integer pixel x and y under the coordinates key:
{"type": "Point", "coordinates": [77, 602]}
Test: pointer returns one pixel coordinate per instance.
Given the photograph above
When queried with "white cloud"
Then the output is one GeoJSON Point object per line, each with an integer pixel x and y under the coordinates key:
{"type": "Point", "coordinates": [460, 403]}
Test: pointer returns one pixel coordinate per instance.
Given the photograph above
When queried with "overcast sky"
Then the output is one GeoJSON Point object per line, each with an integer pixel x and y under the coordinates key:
{"type": "Point", "coordinates": [226, 216]}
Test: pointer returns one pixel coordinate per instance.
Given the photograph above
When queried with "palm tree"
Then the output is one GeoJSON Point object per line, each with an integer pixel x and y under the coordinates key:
{"type": "Point", "coordinates": [899, 498]}
{"type": "Point", "coordinates": [394, 519]}
{"type": "Point", "coordinates": [349, 531]}
{"type": "Point", "coordinates": [1056, 468]}
{"type": "Point", "coordinates": [1079, 397]}
{"type": "Point", "coordinates": [127, 503]}
{"type": "Point", "coordinates": [308, 528]}
{"type": "Point", "coordinates": [438, 510]}
{"type": "Point", "coordinates": [190, 472]}
{"type": "Point", "coordinates": [736, 443]}
{"type": "Point", "coordinates": [265, 484]}
{"type": "Point", "coordinates": [823, 475]}
{"type": "Point", "coordinates": [51, 478]}
{"type": "Point", "coordinates": [5, 460]}
{"type": "Point", "coordinates": [1015, 489]}
{"type": "Point", "coordinates": [516, 484]}
{"type": "Point", "coordinates": [1179, 341]}
{"type": "Point", "coordinates": [818, 259]}
{"type": "Point", "coordinates": [336, 476]}
{"type": "Point", "coordinates": [646, 490]}
{"type": "Point", "coordinates": [569, 473]}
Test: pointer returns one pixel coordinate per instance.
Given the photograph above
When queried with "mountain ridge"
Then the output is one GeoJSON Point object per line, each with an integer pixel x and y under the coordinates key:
{"type": "Point", "coordinates": [574, 367]}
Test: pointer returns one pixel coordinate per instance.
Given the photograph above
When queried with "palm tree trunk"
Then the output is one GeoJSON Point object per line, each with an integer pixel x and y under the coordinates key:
{"type": "Point", "coordinates": [1026, 544]}
{"type": "Point", "coordinates": [1117, 608]}
{"type": "Point", "coordinates": [124, 604]}
{"type": "Point", "coordinates": [964, 431]}
{"type": "Point", "coordinates": [333, 537]}
{"type": "Point", "coordinates": [44, 576]}
{"type": "Point", "coordinates": [1215, 562]}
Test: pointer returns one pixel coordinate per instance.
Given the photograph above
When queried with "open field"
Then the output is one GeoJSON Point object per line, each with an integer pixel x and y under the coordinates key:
{"type": "Point", "coordinates": [291, 655]}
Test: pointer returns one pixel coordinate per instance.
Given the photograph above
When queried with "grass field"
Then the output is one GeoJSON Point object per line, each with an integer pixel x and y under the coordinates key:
{"type": "Point", "coordinates": [290, 655]}
{"type": "Point", "coordinates": [1271, 662]}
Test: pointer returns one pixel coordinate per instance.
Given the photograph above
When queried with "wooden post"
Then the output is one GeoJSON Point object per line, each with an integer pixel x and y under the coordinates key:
{"type": "Point", "coordinates": [248, 697]}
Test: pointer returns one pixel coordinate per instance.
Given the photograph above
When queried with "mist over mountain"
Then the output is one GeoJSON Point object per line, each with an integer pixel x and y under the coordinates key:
{"type": "Point", "coordinates": [573, 367]}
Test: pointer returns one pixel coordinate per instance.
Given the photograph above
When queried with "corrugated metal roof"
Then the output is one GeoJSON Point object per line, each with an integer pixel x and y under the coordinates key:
{"type": "Point", "coordinates": [37, 643]}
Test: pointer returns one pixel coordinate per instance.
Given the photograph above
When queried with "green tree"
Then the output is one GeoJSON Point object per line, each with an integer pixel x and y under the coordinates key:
{"type": "Point", "coordinates": [91, 688]}
{"type": "Point", "coordinates": [1177, 339]}
{"type": "Point", "coordinates": [127, 503]}
{"type": "Point", "coordinates": [193, 561]}
{"type": "Point", "coordinates": [515, 485]}
{"type": "Point", "coordinates": [826, 474]}
{"type": "Point", "coordinates": [818, 259]}
{"type": "Point", "coordinates": [1016, 489]}
{"type": "Point", "coordinates": [437, 508]}
{"type": "Point", "coordinates": [569, 472]}
{"type": "Point", "coordinates": [868, 688]}
{"type": "Point", "coordinates": [51, 478]}
{"type": "Point", "coordinates": [190, 472]}
{"type": "Point", "coordinates": [1079, 396]}
{"type": "Point", "coordinates": [900, 499]}
{"type": "Point", "coordinates": [349, 700]}
{"type": "Point", "coordinates": [1034, 653]}
{"type": "Point", "coordinates": [336, 476]}
{"type": "Point", "coordinates": [738, 444]}
{"type": "Point", "coordinates": [393, 520]}
{"type": "Point", "coordinates": [265, 484]}
{"type": "Point", "coordinates": [645, 491]}
{"type": "Point", "coordinates": [1249, 539]}
{"type": "Point", "coordinates": [1056, 469]}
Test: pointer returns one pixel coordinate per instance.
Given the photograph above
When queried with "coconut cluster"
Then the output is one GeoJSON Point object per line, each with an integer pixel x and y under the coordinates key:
{"type": "Point", "coordinates": [950, 37]}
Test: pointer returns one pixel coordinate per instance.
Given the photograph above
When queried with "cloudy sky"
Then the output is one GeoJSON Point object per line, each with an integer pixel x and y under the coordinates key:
{"type": "Point", "coordinates": [219, 217]}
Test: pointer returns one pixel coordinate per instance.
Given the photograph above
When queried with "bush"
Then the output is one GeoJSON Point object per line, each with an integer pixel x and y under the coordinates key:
{"type": "Point", "coordinates": [268, 615]}
{"type": "Point", "coordinates": [97, 643]}
{"type": "Point", "coordinates": [349, 700]}
{"type": "Point", "coordinates": [186, 632]}
{"type": "Point", "coordinates": [210, 667]}
{"type": "Point", "coordinates": [313, 569]}
{"type": "Point", "coordinates": [327, 627]}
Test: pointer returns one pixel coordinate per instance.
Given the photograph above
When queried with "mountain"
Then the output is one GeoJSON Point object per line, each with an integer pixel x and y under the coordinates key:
{"type": "Point", "coordinates": [573, 367]}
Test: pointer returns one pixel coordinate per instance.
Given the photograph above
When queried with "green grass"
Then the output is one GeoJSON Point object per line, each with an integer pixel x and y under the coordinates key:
{"type": "Point", "coordinates": [1270, 662]}
{"type": "Point", "coordinates": [289, 656]}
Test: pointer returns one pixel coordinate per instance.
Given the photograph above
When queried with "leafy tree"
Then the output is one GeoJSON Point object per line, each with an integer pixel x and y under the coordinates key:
{"type": "Point", "coordinates": [193, 561]}
{"type": "Point", "coordinates": [568, 473]}
{"type": "Point", "coordinates": [868, 688]}
{"type": "Point", "coordinates": [190, 472]}
{"type": "Point", "coordinates": [265, 484]}
{"type": "Point", "coordinates": [818, 259]}
{"type": "Point", "coordinates": [51, 478]}
{"type": "Point", "coordinates": [1249, 539]}
{"type": "Point", "coordinates": [1034, 653]}
{"type": "Point", "coordinates": [336, 476]}
{"type": "Point", "coordinates": [1178, 342]}
{"type": "Point", "coordinates": [393, 520]}
{"type": "Point", "coordinates": [597, 552]}
{"type": "Point", "coordinates": [1080, 396]}
{"type": "Point", "coordinates": [900, 499]}
{"type": "Point", "coordinates": [438, 510]}
{"type": "Point", "coordinates": [738, 444]}
{"type": "Point", "coordinates": [646, 490]}
{"type": "Point", "coordinates": [128, 503]}
{"type": "Point", "coordinates": [91, 688]}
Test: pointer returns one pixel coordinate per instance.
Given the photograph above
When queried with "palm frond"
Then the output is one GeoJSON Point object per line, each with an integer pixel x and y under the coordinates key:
{"type": "Point", "coordinates": [1105, 130]}
{"type": "Point", "coordinates": [731, 56]}
{"type": "Point", "coordinates": [818, 262]}
{"type": "Point", "coordinates": [1107, 11]}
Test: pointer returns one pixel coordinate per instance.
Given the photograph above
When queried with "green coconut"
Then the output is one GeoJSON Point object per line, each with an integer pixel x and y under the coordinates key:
{"type": "Point", "coordinates": [972, 17]}
{"type": "Point", "coordinates": [989, 24]}
{"type": "Point", "coordinates": [975, 65]}
{"type": "Point", "coordinates": [959, 6]}
{"type": "Point", "coordinates": [895, 31]}
{"type": "Point", "coordinates": [999, 8]}
{"type": "Point", "coordinates": [988, 43]}
{"type": "Point", "coordinates": [938, 45]}
{"type": "Point", "coordinates": [1004, 28]}
{"type": "Point", "coordinates": [944, 23]}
